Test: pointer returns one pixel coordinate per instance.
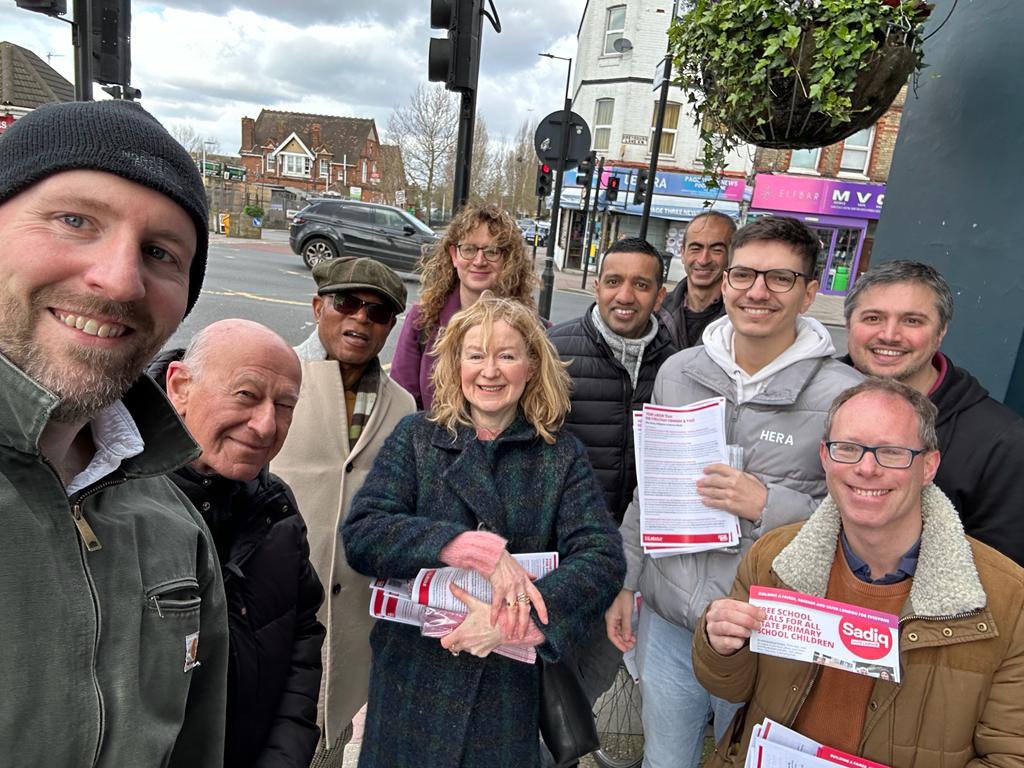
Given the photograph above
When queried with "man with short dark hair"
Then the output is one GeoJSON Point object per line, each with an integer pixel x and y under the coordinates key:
{"type": "Point", "coordinates": [346, 411]}
{"type": "Point", "coordinates": [697, 300]}
{"type": "Point", "coordinates": [888, 540]}
{"type": "Point", "coordinates": [235, 388]}
{"type": "Point", "coordinates": [897, 315]}
{"type": "Point", "coordinates": [115, 630]}
{"type": "Point", "coordinates": [775, 370]}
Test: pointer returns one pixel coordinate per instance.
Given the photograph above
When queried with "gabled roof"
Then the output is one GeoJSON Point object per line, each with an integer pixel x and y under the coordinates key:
{"type": "Point", "coordinates": [28, 81]}
{"type": "Point", "coordinates": [281, 145]}
{"type": "Point", "coordinates": [341, 135]}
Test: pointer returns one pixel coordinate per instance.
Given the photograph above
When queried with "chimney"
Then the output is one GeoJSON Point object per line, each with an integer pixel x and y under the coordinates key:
{"type": "Point", "coordinates": [248, 134]}
{"type": "Point", "coordinates": [316, 136]}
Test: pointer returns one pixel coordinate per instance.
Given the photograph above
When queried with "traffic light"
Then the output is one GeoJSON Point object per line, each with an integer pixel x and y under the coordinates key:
{"type": "Point", "coordinates": [640, 193]}
{"type": "Point", "coordinates": [111, 41]}
{"type": "Point", "coordinates": [612, 193]}
{"type": "Point", "coordinates": [455, 61]}
{"type": "Point", "coordinates": [585, 169]}
{"type": "Point", "coordinates": [543, 180]}
{"type": "Point", "coordinates": [49, 7]}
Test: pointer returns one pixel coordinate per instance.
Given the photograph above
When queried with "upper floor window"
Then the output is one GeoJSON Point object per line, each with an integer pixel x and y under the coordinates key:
{"type": "Point", "coordinates": [668, 130]}
{"type": "Point", "coordinates": [271, 163]}
{"type": "Point", "coordinates": [857, 151]}
{"type": "Point", "coordinates": [294, 165]}
{"type": "Point", "coordinates": [364, 173]}
{"type": "Point", "coordinates": [604, 110]}
{"type": "Point", "coordinates": [804, 159]}
{"type": "Point", "coordinates": [614, 28]}
{"type": "Point", "coordinates": [325, 169]}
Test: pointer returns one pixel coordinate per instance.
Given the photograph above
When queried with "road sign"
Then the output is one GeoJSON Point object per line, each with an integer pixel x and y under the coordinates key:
{"type": "Point", "coordinates": [659, 73]}
{"type": "Point", "coordinates": [400, 198]}
{"type": "Point", "coordinates": [548, 139]}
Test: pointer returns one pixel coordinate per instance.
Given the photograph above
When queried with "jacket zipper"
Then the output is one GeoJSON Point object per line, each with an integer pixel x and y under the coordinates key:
{"type": "Point", "coordinates": [89, 538]}
{"type": "Point", "coordinates": [949, 617]}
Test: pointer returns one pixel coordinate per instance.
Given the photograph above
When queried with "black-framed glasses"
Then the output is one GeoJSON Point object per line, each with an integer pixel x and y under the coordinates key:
{"type": "Point", "coordinates": [468, 251]}
{"type": "Point", "coordinates": [888, 456]}
{"type": "Point", "coordinates": [776, 280]}
{"type": "Point", "coordinates": [350, 304]}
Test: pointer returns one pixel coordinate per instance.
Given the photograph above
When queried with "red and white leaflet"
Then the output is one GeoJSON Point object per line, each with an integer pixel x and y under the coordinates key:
{"type": "Point", "coordinates": [432, 585]}
{"type": "Point", "coordinates": [773, 745]}
{"type": "Point", "coordinates": [437, 623]}
{"type": "Point", "coordinates": [402, 587]}
{"type": "Point", "coordinates": [392, 607]}
{"type": "Point", "coordinates": [676, 443]}
{"type": "Point", "coordinates": [821, 631]}
{"type": "Point", "coordinates": [842, 758]}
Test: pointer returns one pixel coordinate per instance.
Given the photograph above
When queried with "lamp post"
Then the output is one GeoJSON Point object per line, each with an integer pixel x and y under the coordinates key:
{"type": "Point", "coordinates": [548, 277]}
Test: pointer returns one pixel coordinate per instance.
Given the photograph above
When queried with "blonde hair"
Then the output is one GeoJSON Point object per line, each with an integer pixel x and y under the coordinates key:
{"type": "Point", "coordinates": [438, 278]}
{"type": "Point", "coordinates": [544, 402]}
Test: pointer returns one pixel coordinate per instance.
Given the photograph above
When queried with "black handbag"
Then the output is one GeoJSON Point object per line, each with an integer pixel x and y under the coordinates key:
{"type": "Point", "coordinates": [566, 717]}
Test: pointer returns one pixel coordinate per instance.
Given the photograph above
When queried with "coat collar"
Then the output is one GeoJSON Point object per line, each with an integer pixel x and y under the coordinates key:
{"type": "Point", "coordinates": [946, 582]}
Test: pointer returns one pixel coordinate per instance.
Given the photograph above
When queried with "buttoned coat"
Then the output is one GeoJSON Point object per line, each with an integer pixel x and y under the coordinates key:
{"type": "Point", "coordinates": [428, 709]}
{"type": "Point", "coordinates": [324, 471]}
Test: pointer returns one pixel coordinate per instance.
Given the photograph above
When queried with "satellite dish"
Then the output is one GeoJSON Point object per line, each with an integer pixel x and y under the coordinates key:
{"type": "Point", "coordinates": [622, 45]}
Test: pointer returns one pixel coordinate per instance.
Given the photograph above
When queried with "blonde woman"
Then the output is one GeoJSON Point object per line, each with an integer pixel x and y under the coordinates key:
{"type": "Point", "coordinates": [487, 472]}
{"type": "Point", "coordinates": [482, 250]}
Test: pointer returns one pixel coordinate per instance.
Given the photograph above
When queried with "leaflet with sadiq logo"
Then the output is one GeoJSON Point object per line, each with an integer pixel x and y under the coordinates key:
{"type": "Point", "coordinates": [821, 631]}
{"type": "Point", "coordinates": [773, 745]}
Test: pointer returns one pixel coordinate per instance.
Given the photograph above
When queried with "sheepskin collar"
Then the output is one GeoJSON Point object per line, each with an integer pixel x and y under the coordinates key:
{"type": "Point", "coordinates": [946, 582]}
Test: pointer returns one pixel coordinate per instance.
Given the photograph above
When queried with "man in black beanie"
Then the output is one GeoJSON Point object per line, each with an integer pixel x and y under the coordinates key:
{"type": "Point", "coordinates": [115, 636]}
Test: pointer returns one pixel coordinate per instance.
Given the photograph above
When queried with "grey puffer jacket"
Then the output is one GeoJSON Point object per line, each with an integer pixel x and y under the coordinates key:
{"type": "Point", "coordinates": [780, 429]}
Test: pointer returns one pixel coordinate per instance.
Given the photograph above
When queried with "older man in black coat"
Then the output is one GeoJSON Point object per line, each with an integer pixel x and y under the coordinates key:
{"type": "Point", "coordinates": [235, 388]}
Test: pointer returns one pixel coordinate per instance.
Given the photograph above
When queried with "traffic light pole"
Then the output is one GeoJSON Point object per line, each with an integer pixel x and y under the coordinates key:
{"type": "Point", "coordinates": [548, 278]}
{"type": "Point", "coordinates": [590, 225]}
{"type": "Point", "coordinates": [464, 149]}
{"type": "Point", "coordinates": [652, 169]}
{"type": "Point", "coordinates": [81, 34]}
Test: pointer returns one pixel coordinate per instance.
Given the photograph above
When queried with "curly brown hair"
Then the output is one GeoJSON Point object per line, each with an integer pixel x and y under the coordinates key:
{"type": "Point", "coordinates": [517, 279]}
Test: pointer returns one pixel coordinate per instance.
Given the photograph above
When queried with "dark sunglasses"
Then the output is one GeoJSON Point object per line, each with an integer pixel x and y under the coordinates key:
{"type": "Point", "coordinates": [348, 304]}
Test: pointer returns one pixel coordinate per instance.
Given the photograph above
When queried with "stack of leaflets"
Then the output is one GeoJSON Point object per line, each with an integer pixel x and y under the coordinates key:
{"type": "Point", "coordinates": [427, 602]}
{"type": "Point", "coordinates": [775, 746]}
{"type": "Point", "coordinates": [672, 446]}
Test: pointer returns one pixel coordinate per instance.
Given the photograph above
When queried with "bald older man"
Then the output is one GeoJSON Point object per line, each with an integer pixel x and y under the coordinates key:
{"type": "Point", "coordinates": [235, 387]}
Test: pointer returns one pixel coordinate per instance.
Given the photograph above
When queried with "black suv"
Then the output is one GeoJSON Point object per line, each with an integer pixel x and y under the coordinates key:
{"type": "Point", "coordinates": [327, 229]}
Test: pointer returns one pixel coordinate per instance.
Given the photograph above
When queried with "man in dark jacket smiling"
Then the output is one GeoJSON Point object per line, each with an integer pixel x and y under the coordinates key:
{"type": "Point", "coordinates": [235, 388]}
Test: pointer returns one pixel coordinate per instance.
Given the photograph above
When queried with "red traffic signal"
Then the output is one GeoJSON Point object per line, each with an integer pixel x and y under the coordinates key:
{"type": "Point", "coordinates": [612, 193]}
{"type": "Point", "coordinates": [543, 180]}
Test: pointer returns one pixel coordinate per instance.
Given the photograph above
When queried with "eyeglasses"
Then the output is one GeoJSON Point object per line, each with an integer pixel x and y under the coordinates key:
{"type": "Point", "coordinates": [776, 280]}
{"type": "Point", "coordinates": [349, 304]}
{"type": "Point", "coordinates": [889, 456]}
{"type": "Point", "coordinates": [468, 251]}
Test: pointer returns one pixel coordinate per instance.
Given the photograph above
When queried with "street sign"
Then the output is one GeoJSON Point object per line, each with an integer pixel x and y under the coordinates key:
{"type": "Point", "coordinates": [548, 139]}
{"type": "Point", "coordinates": [400, 198]}
{"type": "Point", "coordinates": [659, 74]}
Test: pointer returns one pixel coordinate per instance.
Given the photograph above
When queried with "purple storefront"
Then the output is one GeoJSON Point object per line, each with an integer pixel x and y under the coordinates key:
{"type": "Point", "coordinates": [842, 213]}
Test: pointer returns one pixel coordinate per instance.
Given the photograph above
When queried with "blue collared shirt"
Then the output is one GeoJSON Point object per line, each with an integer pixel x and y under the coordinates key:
{"type": "Point", "coordinates": [860, 569]}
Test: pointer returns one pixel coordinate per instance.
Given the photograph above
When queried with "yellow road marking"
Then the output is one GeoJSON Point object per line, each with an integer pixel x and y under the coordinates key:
{"type": "Point", "coordinates": [256, 297]}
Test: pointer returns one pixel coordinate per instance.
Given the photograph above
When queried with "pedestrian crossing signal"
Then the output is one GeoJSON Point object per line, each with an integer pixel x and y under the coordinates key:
{"type": "Point", "coordinates": [612, 193]}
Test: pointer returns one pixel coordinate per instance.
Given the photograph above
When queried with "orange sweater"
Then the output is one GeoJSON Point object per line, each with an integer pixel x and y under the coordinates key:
{"type": "Point", "coordinates": [835, 710]}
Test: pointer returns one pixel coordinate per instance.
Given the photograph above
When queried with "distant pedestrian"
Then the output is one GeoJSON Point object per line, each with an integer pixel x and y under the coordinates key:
{"type": "Point", "coordinates": [482, 250]}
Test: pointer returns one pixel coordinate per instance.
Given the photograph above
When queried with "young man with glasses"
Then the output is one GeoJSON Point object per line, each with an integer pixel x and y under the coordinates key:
{"type": "Point", "coordinates": [775, 370]}
{"type": "Point", "coordinates": [889, 540]}
{"type": "Point", "coordinates": [346, 410]}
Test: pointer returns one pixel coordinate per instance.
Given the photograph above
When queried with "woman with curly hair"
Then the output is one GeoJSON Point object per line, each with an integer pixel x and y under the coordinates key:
{"type": "Point", "coordinates": [487, 473]}
{"type": "Point", "coordinates": [482, 250]}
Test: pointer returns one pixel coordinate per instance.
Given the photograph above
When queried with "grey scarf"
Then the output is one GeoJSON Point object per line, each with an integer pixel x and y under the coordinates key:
{"type": "Point", "coordinates": [629, 352]}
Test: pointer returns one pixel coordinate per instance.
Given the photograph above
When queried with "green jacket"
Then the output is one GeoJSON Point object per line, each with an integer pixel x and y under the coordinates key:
{"type": "Point", "coordinates": [95, 639]}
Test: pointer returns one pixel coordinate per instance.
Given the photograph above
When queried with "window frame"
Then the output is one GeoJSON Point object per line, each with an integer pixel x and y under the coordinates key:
{"type": "Point", "coordinates": [269, 164]}
{"type": "Point", "coordinates": [599, 126]}
{"type": "Point", "coordinates": [805, 168]}
{"type": "Point", "coordinates": [608, 30]}
{"type": "Point", "coordinates": [292, 162]}
{"type": "Point", "coordinates": [325, 169]}
{"type": "Point", "coordinates": [665, 129]}
{"type": "Point", "coordinates": [865, 148]}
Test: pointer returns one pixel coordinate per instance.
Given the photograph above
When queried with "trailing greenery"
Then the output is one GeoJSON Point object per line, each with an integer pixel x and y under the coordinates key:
{"type": "Point", "coordinates": [254, 211]}
{"type": "Point", "coordinates": [738, 59]}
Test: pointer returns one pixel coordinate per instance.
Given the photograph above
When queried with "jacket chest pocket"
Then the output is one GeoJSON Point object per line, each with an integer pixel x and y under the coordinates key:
{"type": "Point", "coordinates": [170, 639]}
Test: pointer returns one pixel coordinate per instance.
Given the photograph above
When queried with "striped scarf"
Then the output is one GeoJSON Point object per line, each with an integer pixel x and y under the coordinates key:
{"type": "Point", "coordinates": [366, 396]}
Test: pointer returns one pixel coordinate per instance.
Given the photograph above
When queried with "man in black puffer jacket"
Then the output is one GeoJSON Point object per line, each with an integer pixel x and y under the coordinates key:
{"type": "Point", "coordinates": [235, 388]}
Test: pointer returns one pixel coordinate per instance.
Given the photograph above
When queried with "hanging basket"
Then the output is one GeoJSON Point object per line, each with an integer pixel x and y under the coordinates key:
{"type": "Point", "coordinates": [792, 121]}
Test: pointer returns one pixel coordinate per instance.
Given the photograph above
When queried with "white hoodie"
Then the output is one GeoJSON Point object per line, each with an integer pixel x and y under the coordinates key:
{"type": "Point", "coordinates": [812, 340]}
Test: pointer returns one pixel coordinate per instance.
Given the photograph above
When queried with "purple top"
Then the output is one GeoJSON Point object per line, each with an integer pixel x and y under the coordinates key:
{"type": "Point", "coordinates": [411, 366]}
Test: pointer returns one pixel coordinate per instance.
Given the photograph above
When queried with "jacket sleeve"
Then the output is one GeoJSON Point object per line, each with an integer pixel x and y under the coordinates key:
{"type": "Point", "coordinates": [200, 742]}
{"type": "Point", "coordinates": [383, 534]}
{"type": "Point", "coordinates": [785, 506]}
{"type": "Point", "coordinates": [405, 364]}
{"type": "Point", "coordinates": [293, 735]}
{"type": "Point", "coordinates": [997, 498]}
{"type": "Point", "coordinates": [591, 565]}
{"type": "Point", "coordinates": [999, 733]}
{"type": "Point", "coordinates": [630, 530]}
{"type": "Point", "coordinates": [728, 677]}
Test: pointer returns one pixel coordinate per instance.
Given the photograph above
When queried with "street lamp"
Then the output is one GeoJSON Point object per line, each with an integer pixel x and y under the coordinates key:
{"type": "Point", "coordinates": [206, 142]}
{"type": "Point", "coordinates": [548, 277]}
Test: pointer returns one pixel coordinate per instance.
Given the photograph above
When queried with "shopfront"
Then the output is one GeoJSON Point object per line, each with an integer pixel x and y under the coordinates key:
{"type": "Point", "coordinates": [842, 213]}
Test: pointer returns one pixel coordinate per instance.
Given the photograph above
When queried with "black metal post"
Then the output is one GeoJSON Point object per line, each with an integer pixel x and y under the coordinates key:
{"type": "Point", "coordinates": [536, 229]}
{"type": "Point", "coordinates": [652, 169]}
{"type": "Point", "coordinates": [548, 277]}
{"type": "Point", "coordinates": [81, 37]}
{"type": "Point", "coordinates": [464, 149]}
{"type": "Point", "coordinates": [590, 224]}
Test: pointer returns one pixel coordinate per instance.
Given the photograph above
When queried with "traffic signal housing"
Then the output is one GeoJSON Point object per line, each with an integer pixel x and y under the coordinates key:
{"type": "Point", "coordinates": [543, 180]}
{"type": "Point", "coordinates": [612, 191]}
{"type": "Point", "coordinates": [640, 192]}
{"type": "Point", "coordinates": [455, 60]}
{"type": "Point", "coordinates": [111, 41]}
{"type": "Point", "coordinates": [585, 169]}
{"type": "Point", "coordinates": [49, 7]}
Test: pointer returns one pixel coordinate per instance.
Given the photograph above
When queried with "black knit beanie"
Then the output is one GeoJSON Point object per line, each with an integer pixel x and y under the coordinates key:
{"type": "Point", "coordinates": [118, 137]}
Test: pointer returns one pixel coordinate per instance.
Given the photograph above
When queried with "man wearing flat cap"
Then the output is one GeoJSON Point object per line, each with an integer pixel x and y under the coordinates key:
{"type": "Point", "coordinates": [346, 410]}
{"type": "Point", "coordinates": [114, 625]}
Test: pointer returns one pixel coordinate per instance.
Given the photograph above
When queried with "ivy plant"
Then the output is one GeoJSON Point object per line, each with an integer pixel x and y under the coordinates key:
{"type": "Point", "coordinates": [742, 62]}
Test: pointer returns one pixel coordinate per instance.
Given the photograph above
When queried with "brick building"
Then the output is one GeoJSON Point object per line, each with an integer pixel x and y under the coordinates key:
{"type": "Point", "coordinates": [314, 154]}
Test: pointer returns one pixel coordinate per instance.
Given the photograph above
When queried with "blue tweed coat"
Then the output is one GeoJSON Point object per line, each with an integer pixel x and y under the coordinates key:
{"type": "Point", "coordinates": [427, 708]}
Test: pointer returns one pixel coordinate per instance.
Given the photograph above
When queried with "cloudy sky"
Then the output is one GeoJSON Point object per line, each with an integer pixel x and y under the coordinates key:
{"type": "Point", "coordinates": [209, 62]}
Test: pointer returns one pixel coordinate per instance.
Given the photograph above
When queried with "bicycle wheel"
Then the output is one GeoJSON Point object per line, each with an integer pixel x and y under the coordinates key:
{"type": "Point", "coordinates": [619, 728]}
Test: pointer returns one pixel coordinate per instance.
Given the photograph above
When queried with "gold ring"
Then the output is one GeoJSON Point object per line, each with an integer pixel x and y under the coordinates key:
{"type": "Point", "coordinates": [522, 597]}
{"type": "Point", "coordinates": [510, 602]}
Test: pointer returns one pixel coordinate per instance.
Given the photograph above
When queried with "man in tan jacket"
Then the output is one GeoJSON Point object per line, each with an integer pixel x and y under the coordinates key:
{"type": "Point", "coordinates": [346, 410]}
{"type": "Point", "coordinates": [886, 538]}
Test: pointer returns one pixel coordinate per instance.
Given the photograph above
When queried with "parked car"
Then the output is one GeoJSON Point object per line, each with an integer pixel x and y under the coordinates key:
{"type": "Point", "coordinates": [327, 229]}
{"type": "Point", "coordinates": [528, 227]}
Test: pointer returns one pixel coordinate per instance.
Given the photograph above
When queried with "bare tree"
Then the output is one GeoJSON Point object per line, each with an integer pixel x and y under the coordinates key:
{"type": "Point", "coordinates": [427, 129]}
